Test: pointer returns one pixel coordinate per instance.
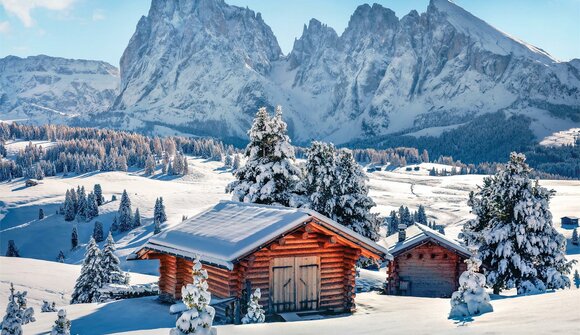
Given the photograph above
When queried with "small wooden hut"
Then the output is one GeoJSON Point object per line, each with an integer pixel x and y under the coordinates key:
{"type": "Point", "coordinates": [425, 262]}
{"type": "Point", "coordinates": [300, 260]}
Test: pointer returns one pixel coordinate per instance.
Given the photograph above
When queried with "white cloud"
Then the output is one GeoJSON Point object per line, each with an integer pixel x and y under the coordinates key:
{"type": "Point", "coordinates": [22, 8]}
{"type": "Point", "coordinates": [98, 15]}
{"type": "Point", "coordinates": [4, 27]}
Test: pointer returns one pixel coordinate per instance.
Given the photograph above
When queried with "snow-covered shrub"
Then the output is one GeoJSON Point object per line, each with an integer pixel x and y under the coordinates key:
{"type": "Point", "coordinates": [61, 325]}
{"type": "Point", "coordinates": [26, 313]}
{"type": "Point", "coordinates": [48, 307]}
{"type": "Point", "coordinates": [198, 318]}
{"type": "Point", "coordinates": [255, 312]}
{"type": "Point", "coordinates": [91, 277]}
{"type": "Point", "coordinates": [514, 232]}
{"type": "Point", "coordinates": [471, 298]}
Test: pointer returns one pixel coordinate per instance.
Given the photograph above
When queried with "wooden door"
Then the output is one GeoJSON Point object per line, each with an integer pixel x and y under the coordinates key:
{"type": "Point", "coordinates": [307, 282]}
{"type": "Point", "coordinates": [283, 288]}
{"type": "Point", "coordinates": [295, 283]}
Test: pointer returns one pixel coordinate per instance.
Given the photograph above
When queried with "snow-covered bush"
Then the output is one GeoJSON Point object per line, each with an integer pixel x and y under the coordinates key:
{"type": "Point", "coordinates": [91, 277]}
{"type": "Point", "coordinates": [255, 312]}
{"type": "Point", "coordinates": [61, 325]}
{"type": "Point", "coordinates": [198, 318]}
{"type": "Point", "coordinates": [471, 298]}
{"type": "Point", "coordinates": [48, 307]}
{"type": "Point", "coordinates": [270, 174]}
{"type": "Point", "coordinates": [26, 313]}
{"type": "Point", "coordinates": [514, 232]}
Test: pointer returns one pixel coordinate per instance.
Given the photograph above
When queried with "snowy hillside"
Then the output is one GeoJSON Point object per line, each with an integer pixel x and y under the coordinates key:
{"type": "Point", "coordinates": [43, 89]}
{"type": "Point", "coordinates": [419, 74]}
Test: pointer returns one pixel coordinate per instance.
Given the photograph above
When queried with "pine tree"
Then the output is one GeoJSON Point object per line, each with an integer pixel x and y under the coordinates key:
{"type": "Point", "coordinates": [40, 214]}
{"type": "Point", "coordinates": [237, 163]}
{"type": "Point", "coordinates": [471, 298]}
{"type": "Point", "coordinates": [514, 232]}
{"type": "Point", "coordinates": [321, 184]}
{"type": "Point", "coordinates": [576, 279]}
{"type": "Point", "coordinates": [393, 223]}
{"type": "Point", "coordinates": [159, 211]}
{"type": "Point", "coordinates": [125, 213]}
{"type": "Point", "coordinates": [137, 219]}
{"type": "Point", "coordinates": [150, 165]}
{"type": "Point", "coordinates": [270, 175]}
{"type": "Point", "coordinates": [575, 240]}
{"type": "Point", "coordinates": [92, 207]}
{"type": "Point", "coordinates": [421, 216]}
{"type": "Point", "coordinates": [69, 207]}
{"type": "Point", "coordinates": [11, 323]}
{"type": "Point", "coordinates": [12, 249]}
{"type": "Point", "coordinates": [157, 226]}
{"type": "Point", "coordinates": [60, 258]}
{"type": "Point", "coordinates": [26, 313]}
{"type": "Point", "coordinates": [228, 162]}
{"type": "Point", "coordinates": [255, 313]}
{"type": "Point", "coordinates": [91, 277]}
{"type": "Point", "coordinates": [115, 224]}
{"type": "Point", "coordinates": [354, 203]}
{"type": "Point", "coordinates": [98, 191]}
{"type": "Point", "coordinates": [198, 318]}
{"type": "Point", "coordinates": [110, 264]}
{"type": "Point", "coordinates": [98, 234]}
{"type": "Point", "coordinates": [74, 240]}
{"type": "Point", "coordinates": [82, 203]}
{"type": "Point", "coordinates": [61, 325]}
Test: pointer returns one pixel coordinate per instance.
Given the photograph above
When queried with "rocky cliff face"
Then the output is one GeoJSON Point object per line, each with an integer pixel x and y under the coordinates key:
{"type": "Point", "coordinates": [43, 89]}
{"type": "Point", "coordinates": [204, 67]}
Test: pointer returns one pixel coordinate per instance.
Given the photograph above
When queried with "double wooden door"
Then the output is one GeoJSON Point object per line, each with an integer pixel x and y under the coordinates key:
{"type": "Point", "coordinates": [295, 283]}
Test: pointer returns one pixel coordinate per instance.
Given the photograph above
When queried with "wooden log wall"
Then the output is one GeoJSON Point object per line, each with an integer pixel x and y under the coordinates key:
{"type": "Point", "coordinates": [431, 270]}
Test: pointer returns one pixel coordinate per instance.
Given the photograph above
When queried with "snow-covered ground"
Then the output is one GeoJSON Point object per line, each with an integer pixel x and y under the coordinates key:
{"type": "Point", "coordinates": [444, 198]}
{"type": "Point", "coordinates": [550, 313]}
{"type": "Point", "coordinates": [560, 138]}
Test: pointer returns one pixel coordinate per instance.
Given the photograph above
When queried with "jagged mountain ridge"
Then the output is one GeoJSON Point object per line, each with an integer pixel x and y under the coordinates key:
{"type": "Point", "coordinates": [42, 89]}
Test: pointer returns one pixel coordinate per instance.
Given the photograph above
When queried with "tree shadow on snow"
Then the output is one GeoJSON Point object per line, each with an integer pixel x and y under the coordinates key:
{"type": "Point", "coordinates": [124, 316]}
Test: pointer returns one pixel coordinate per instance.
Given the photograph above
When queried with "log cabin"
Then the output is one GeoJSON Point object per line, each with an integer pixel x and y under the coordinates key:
{"type": "Point", "coordinates": [300, 259]}
{"type": "Point", "coordinates": [425, 262]}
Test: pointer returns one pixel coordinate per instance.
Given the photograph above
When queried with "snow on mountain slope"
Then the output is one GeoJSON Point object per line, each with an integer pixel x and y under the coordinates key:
{"type": "Point", "coordinates": [42, 89]}
{"type": "Point", "coordinates": [204, 67]}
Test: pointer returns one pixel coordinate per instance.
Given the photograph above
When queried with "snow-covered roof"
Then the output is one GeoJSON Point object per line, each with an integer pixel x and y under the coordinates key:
{"type": "Point", "coordinates": [231, 230]}
{"type": "Point", "coordinates": [416, 234]}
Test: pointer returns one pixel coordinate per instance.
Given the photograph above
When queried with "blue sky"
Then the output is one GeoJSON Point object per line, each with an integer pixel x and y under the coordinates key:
{"type": "Point", "coordinates": [101, 29]}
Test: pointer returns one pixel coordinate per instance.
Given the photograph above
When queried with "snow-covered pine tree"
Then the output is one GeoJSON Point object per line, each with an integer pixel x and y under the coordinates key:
{"type": "Point", "coordinates": [157, 226]}
{"type": "Point", "coordinates": [198, 318]}
{"type": "Point", "coordinates": [514, 232]}
{"type": "Point", "coordinates": [69, 207]}
{"type": "Point", "coordinates": [40, 213]}
{"type": "Point", "coordinates": [421, 216]}
{"type": "Point", "coordinates": [98, 234]}
{"type": "Point", "coordinates": [91, 277]}
{"type": "Point", "coordinates": [82, 203]}
{"type": "Point", "coordinates": [575, 239]}
{"type": "Point", "coordinates": [61, 325]}
{"type": "Point", "coordinates": [26, 313]}
{"type": "Point", "coordinates": [393, 222]}
{"type": "Point", "coordinates": [255, 313]}
{"type": "Point", "coordinates": [576, 279]}
{"type": "Point", "coordinates": [60, 258]}
{"type": "Point", "coordinates": [228, 161]}
{"type": "Point", "coordinates": [92, 207]}
{"type": "Point", "coordinates": [159, 211]}
{"type": "Point", "coordinates": [115, 224]}
{"type": "Point", "coordinates": [471, 298]}
{"type": "Point", "coordinates": [150, 165]}
{"type": "Point", "coordinates": [125, 213]}
{"type": "Point", "coordinates": [110, 264]}
{"type": "Point", "coordinates": [136, 219]}
{"type": "Point", "coordinates": [11, 323]}
{"type": "Point", "coordinates": [237, 163]}
{"type": "Point", "coordinates": [270, 175]}
{"type": "Point", "coordinates": [320, 183]}
{"type": "Point", "coordinates": [12, 249]}
{"type": "Point", "coordinates": [98, 191]}
{"type": "Point", "coordinates": [48, 307]}
{"type": "Point", "coordinates": [74, 239]}
{"type": "Point", "coordinates": [354, 203]}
